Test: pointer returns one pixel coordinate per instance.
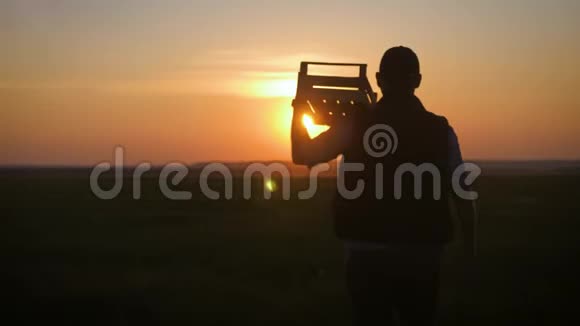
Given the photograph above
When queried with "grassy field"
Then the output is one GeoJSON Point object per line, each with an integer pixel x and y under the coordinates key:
{"type": "Point", "coordinates": [69, 256]}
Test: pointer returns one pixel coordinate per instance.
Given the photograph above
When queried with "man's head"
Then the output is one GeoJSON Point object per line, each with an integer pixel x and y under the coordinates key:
{"type": "Point", "coordinates": [399, 72]}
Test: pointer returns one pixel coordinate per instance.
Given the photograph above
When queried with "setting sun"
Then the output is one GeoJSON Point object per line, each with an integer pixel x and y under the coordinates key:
{"type": "Point", "coordinates": [313, 129]}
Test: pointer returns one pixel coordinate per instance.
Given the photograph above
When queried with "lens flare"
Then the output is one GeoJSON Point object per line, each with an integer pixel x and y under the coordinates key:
{"type": "Point", "coordinates": [270, 185]}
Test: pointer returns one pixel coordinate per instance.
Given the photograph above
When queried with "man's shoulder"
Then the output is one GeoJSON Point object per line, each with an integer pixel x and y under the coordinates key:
{"type": "Point", "coordinates": [438, 118]}
{"type": "Point", "coordinates": [443, 122]}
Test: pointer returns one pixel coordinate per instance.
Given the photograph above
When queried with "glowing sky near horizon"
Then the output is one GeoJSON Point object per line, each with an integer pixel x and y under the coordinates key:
{"type": "Point", "coordinates": [213, 80]}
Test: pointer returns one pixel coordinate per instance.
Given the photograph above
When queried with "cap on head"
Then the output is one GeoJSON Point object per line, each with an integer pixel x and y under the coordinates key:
{"type": "Point", "coordinates": [400, 68]}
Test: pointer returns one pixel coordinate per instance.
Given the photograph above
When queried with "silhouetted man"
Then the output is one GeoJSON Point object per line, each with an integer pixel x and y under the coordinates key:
{"type": "Point", "coordinates": [393, 242]}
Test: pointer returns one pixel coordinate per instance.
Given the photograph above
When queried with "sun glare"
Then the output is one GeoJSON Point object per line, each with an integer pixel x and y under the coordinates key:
{"type": "Point", "coordinates": [274, 88]}
{"type": "Point", "coordinates": [313, 129]}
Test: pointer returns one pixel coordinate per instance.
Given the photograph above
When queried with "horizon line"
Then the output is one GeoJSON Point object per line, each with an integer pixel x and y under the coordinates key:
{"type": "Point", "coordinates": [57, 165]}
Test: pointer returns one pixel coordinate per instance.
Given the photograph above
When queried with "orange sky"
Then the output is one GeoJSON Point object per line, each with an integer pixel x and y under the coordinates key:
{"type": "Point", "coordinates": [197, 81]}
